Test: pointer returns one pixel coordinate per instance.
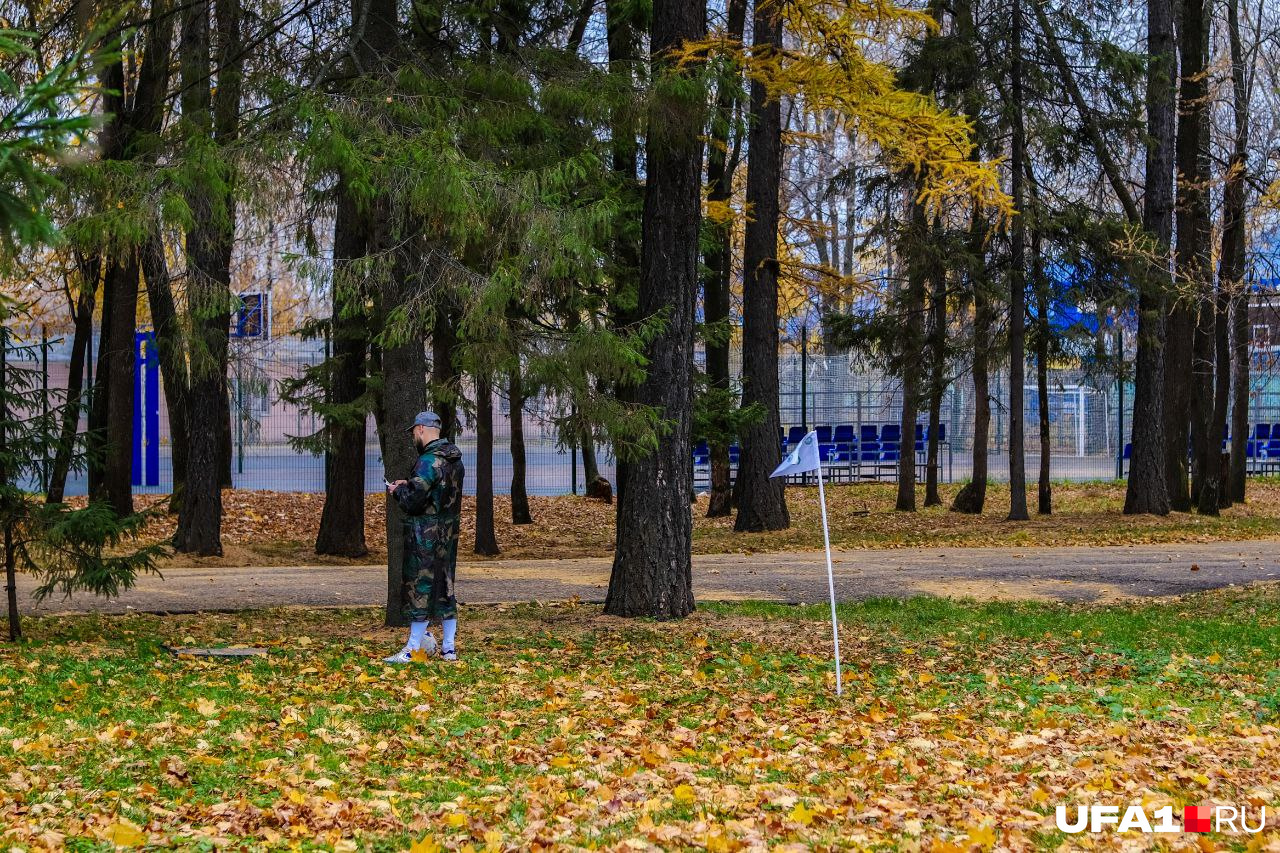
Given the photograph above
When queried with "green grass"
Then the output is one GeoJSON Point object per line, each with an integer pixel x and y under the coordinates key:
{"type": "Point", "coordinates": [562, 726]}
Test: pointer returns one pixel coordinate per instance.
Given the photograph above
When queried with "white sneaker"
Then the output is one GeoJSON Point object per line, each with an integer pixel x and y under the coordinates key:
{"type": "Point", "coordinates": [450, 654]}
{"type": "Point", "coordinates": [405, 655]}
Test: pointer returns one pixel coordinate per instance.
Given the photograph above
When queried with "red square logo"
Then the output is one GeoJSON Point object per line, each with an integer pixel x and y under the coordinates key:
{"type": "Point", "coordinates": [1195, 819]}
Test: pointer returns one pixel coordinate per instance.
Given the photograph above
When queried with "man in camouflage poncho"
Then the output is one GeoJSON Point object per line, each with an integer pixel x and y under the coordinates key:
{"type": "Point", "coordinates": [432, 503]}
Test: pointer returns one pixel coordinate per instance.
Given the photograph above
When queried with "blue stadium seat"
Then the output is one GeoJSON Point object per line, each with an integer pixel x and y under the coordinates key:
{"type": "Point", "coordinates": [825, 451]}
{"type": "Point", "coordinates": [870, 452]}
{"type": "Point", "coordinates": [889, 455]}
{"type": "Point", "coordinates": [734, 453]}
{"type": "Point", "coordinates": [942, 432]}
{"type": "Point", "coordinates": [796, 434]}
{"type": "Point", "coordinates": [868, 432]}
{"type": "Point", "coordinates": [919, 432]}
{"type": "Point", "coordinates": [843, 434]}
{"type": "Point", "coordinates": [824, 435]}
{"type": "Point", "coordinates": [1262, 432]}
{"type": "Point", "coordinates": [891, 432]}
{"type": "Point", "coordinates": [1128, 451]}
{"type": "Point", "coordinates": [1250, 449]}
{"type": "Point", "coordinates": [701, 449]}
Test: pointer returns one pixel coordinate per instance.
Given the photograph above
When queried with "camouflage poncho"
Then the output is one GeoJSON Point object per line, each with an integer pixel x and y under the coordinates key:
{"type": "Point", "coordinates": [432, 505]}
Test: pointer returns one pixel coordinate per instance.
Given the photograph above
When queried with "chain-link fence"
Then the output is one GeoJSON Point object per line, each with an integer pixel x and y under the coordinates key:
{"type": "Point", "coordinates": [856, 409]}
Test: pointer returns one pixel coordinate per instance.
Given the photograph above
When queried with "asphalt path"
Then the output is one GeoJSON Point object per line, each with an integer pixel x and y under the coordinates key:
{"type": "Point", "coordinates": [1079, 574]}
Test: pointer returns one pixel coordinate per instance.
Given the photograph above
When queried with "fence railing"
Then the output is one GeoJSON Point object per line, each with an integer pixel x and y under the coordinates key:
{"type": "Point", "coordinates": [1089, 423]}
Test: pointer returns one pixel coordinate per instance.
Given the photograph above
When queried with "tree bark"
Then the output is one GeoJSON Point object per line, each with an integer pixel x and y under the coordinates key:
{"type": "Point", "coordinates": [444, 373]}
{"type": "Point", "coordinates": [972, 497]}
{"type": "Point", "coordinates": [117, 469]}
{"type": "Point", "coordinates": [937, 373]}
{"type": "Point", "coordinates": [1231, 274]}
{"type": "Point", "coordinates": [214, 115]}
{"type": "Point", "coordinates": [10, 560]}
{"type": "Point", "coordinates": [717, 259]}
{"type": "Point", "coordinates": [1044, 492]}
{"type": "Point", "coordinates": [173, 366]}
{"type": "Point", "coordinates": [90, 273]}
{"type": "Point", "coordinates": [1148, 486]}
{"type": "Point", "coordinates": [519, 493]}
{"type": "Point", "coordinates": [1017, 283]}
{"type": "Point", "coordinates": [342, 521]}
{"type": "Point", "coordinates": [916, 252]}
{"type": "Point", "coordinates": [1189, 351]}
{"type": "Point", "coordinates": [652, 573]}
{"type": "Point", "coordinates": [403, 395]}
{"type": "Point", "coordinates": [622, 20]}
{"type": "Point", "coordinates": [762, 503]}
{"type": "Point", "coordinates": [486, 539]}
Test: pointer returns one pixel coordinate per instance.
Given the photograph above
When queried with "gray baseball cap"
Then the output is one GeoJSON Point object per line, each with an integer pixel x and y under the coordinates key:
{"type": "Point", "coordinates": [426, 419]}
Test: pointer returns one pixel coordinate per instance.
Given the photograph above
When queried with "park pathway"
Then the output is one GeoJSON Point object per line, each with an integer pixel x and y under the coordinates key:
{"type": "Point", "coordinates": [1064, 574]}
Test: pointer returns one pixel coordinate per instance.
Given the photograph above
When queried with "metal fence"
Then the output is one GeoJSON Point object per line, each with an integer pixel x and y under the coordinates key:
{"type": "Point", "coordinates": [1089, 421]}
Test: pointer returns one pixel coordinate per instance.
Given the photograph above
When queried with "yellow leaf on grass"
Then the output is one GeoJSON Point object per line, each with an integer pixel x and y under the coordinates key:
{"type": "Point", "coordinates": [206, 707]}
{"type": "Point", "coordinates": [493, 840]}
{"type": "Point", "coordinates": [802, 815]}
{"type": "Point", "coordinates": [457, 820]}
{"type": "Point", "coordinates": [418, 656]}
{"type": "Point", "coordinates": [984, 836]}
{"type": "Point", "coordinates": [685, 795]}
{"type": "Point", "coordinates": [125, 834]}
{"type": "Point", "coordinates": [925, 678]}
{"type": "Point", "coordinates": [426, 844]}
{"type": "Point", "coordinates": [1214, 658]}
{"type": "Point", "coordinates": [562, 761]}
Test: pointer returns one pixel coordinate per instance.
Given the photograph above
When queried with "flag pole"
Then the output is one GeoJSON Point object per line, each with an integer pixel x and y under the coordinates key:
{"type": "Point", "coordinates": [831, 583]}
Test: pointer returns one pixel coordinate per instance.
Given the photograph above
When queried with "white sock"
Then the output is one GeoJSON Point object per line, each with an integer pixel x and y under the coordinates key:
{"type": "Point", "coordinates": [450, 632]}
{"type": "Point", "coordinates": [417, 634]}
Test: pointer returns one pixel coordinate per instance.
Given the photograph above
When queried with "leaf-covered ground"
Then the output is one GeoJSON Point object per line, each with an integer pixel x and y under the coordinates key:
{"type": "Point", "coordinates": [273, 528]}
{"type": "Point", "coordinates": [962, 727]}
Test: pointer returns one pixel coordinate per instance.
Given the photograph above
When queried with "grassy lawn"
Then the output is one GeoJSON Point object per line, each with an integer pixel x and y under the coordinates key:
{"type": "Point", "coordinates": [272, 528]}
{"type": "Point", "coordinates": [962, 727]}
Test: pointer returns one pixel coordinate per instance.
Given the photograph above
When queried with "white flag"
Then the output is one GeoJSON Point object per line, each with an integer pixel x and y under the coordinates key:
{"type": "Point", "coordinates": [804, 458]}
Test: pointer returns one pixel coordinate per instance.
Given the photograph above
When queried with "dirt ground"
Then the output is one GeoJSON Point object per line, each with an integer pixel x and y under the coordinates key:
{"type": "Point", "coordinates": [1070, 574]}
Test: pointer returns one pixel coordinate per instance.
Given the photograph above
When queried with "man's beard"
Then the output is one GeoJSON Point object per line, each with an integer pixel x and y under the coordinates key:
{"type": "Point", "coordinates": [420, 444]}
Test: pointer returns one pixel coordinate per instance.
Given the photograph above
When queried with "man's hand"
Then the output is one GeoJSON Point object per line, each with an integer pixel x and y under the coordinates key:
{"type": "Point", "coordinates": [391, 487]}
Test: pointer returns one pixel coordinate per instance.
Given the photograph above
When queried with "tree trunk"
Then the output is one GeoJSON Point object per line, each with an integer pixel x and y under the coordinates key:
{"type": "Point", "coordinates": [173, 366]}
{"type": "Point", "coordinates": [916, 252]}
{"type": "Point", "coordinates": [973, 496]}
{"type": "Point", "coordinates": [404, 394]}
{"type": "Point", "coordinates": [1232, 272]}
{"type": "Point", "coordinates": [117, 468]}
{"type": "Point", "coordinates": [1044, 495]}
{"type": "Point", "coordinates": [486, 540]}
{"type": "Point", "coordinates": [90, 273]}
{"type": "Point", "coordinates": [718, 261]}
{"type": "Point", "coordinates": [444, 373]}
{"type": "Point", "coordinates": [652, 573]}
{"type": "Point", "coordinates": [1017, 284]}
{"type": "Point", "coordinates": [11, 584]}
{"type": "Point", "coordinates": [519, 494]}
{"type": "Point", "coordinates": [96, 436]}
{"type": "Point", "coordinates": [10, 558]}
{"type": "Point", "coordinates": [1193, 263]}
{"type": "Point", "coordinates": [937, 373]}
{"type": "Point", "coordinates": [622, 23]}
{"type": "Point", "coordinates": [1148, 485]}
{"type": "Point", "coordinates": [762, 503]}
{"type": "Point", "coordinates": [342, 521]}
{"type": "Point", "coordinates": [209, 245]}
